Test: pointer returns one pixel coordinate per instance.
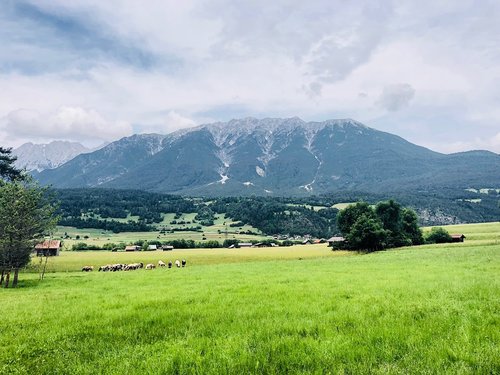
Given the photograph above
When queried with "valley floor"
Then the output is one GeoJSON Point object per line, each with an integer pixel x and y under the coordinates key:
{"type": "Point", "coordinates": [428, 309]}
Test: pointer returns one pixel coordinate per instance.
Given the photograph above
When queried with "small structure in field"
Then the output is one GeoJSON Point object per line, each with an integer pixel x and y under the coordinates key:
{"type": "Point", "coordinates": [307, 242]}
{"type": "Point", "coordinates": [336, 239]}
{"type": "Point", "coordinates": [152, 247]}
{"type": "Point", "coordinates": [245, 244]}
{"type": "Point", "coordinates": [48, 248]}
{"type": "Point", "coordinates": [167, 248]}
{"type": "Point", "coordinates": [132, 248]}
{"type": "Point", "coordinates": [261, 244]}
{"type": "Point", "coordinates": [457, 237]}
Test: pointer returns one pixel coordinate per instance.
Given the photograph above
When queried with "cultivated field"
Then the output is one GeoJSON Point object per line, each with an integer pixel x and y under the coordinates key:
{"type": "Point", "coordinates": [428, 309]}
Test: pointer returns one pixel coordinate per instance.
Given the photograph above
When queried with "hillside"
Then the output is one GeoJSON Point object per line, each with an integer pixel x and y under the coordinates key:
{"type": "Point", "coordinates": [274, 157]}
{"type": "Point", "coordinates": [138, 211]}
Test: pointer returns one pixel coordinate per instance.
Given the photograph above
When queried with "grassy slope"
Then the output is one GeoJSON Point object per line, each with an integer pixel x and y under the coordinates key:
{"type": "Point", "coordinates": [431, 309]}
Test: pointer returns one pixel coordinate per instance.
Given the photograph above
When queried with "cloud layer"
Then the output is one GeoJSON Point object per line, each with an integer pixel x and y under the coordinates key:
{"type": "Point", "coordinates": [420, 72]}
{"type": "Point", "coordinates": [70, 123]}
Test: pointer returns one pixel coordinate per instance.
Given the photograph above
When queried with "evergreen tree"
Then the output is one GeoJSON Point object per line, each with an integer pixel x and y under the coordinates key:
{"type": "Point", "coordinates": [26, 215]}
{"type": "Point", "coordinates": [7, 169]}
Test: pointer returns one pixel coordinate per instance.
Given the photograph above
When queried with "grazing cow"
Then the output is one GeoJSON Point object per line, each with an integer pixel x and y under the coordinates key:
{"type": "Point", "coordinates": [161, 263]}
{"type": "Point", "coordinates": [178, 263]}
{"type": "Point", "coordinates": [150, 266]}
{"type": "Point", "coordinates": [169, 264]}
{"type": "Point", "coordinates": [183, 263]}
{"type": "Point", "coordinates": [87, 268]}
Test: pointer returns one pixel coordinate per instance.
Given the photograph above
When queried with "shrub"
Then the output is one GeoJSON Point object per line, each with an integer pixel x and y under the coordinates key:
{"type": "Point", "coordinates": [438, 235]}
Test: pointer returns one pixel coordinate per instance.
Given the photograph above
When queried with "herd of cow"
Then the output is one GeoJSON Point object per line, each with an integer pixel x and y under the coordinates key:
{"type": "Point", "coordinates": [135, 266]}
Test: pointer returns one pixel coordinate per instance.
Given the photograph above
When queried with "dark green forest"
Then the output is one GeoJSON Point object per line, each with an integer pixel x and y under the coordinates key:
{"type": "Point", "coordinates": [314, 215]}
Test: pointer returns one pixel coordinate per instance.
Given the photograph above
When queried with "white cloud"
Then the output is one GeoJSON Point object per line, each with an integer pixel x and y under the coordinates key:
{"type": "Point", "coordinates": [223, 59]}
{"type": "Point", "coordinates": [67, 123]}
{"type": "Point", "coordinates": [396, 97]}
{"type": "Point", "coordinates": [173, 121]}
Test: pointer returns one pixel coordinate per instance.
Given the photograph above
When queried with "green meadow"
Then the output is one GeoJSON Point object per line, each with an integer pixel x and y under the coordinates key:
{"type": "Point", "coordinates": [304, 309]}
{"type": "Point", "coordinates": [213, 232]}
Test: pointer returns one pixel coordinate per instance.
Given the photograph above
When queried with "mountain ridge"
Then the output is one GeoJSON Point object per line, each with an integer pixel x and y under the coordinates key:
{"type": "Point", "coordinates": [272, 156]}
{"type": "Point", "coordinates": [38, 157]}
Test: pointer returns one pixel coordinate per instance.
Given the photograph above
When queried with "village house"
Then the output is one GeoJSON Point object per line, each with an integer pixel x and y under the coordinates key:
{"type": "Point", "coordinates": [48, 248]}
{"type": "Point", "coordinates": [167, 248]}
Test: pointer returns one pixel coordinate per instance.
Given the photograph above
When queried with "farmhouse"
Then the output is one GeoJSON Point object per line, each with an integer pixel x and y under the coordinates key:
{"type": "Point", "coordinates": [48, 248]}
{"type": "Point", "coordinates": [333, 240]}
{"type": "Point", "coordinates": [457, 237]}
{"type": "Point", "coordinates": [152, 247]}
{"type": "Point", "coordinates": [132, 248]}
{"type": "Point", "coordinates": [307, 242]}
{"type": "Point", "coordinates": [167, 248]}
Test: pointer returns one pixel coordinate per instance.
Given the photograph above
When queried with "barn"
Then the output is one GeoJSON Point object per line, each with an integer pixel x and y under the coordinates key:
{"type": "Point", "coordinates": [48, 248]}
{"type": "Point", "coordinates": [132, 248]}
{"type": "Point", "coordinates": [457, 237]}
{"type": "Point", "coordinates": [331, 241]}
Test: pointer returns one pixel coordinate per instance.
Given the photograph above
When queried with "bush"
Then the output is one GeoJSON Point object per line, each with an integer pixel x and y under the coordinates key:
{"type": "Point", "coordinates": [438, 235]}
{"type": "Point", "coordinates": [82, 246]}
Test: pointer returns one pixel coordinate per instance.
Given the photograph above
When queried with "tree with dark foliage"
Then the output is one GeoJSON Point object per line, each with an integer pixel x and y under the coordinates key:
{"type": "Point", "coordinates": [7, 169]}
{"type": "Point", "coordinates": [438, 235]}
{"type": "Point", "coordinates": [388, 225]}
{"type": "Point", "coordinates": [26, 215]}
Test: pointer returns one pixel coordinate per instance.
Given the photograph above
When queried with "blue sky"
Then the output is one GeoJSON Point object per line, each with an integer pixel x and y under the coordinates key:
{"type": "Point", "coordinates": [94, 71]}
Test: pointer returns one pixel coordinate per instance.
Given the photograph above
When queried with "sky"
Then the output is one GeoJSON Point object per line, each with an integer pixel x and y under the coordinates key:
{"type": "Point", "coordinates": [94, 71]}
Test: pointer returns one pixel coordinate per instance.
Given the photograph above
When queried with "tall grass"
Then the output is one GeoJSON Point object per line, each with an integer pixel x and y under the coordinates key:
{"type": "Point", "coordinates": [431, 309]}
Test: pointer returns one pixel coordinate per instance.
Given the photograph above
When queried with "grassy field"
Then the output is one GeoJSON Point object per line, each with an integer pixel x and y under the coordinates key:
{"type": "Point", "coordinates": [428, 309]}
{"type": "Point", "coordinates": [73, 261]}
{"type": "Point", "coordinates": [213, 232]}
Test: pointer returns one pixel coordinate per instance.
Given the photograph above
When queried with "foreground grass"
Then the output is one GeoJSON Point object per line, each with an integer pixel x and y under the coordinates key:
{"type": "Point", "coordinates": [432, 309]}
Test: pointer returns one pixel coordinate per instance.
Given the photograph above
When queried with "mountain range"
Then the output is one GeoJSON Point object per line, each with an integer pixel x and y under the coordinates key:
{"type": "Point", "coordinates": [274, 157]}
{"type": "Point", "coordinates": [38, 157]}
